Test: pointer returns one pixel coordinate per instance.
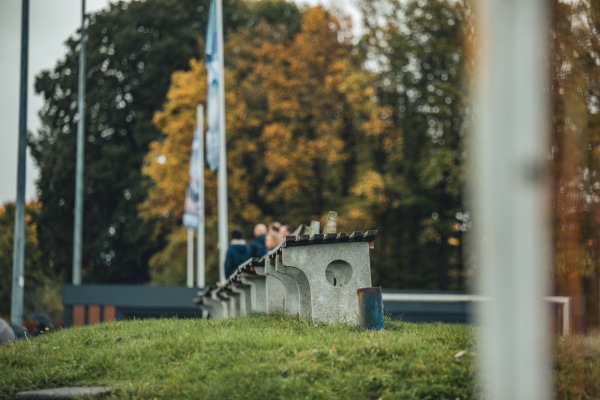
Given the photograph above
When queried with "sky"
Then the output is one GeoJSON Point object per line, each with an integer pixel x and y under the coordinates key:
{"type": "Point", "coordinates": [51, 23]}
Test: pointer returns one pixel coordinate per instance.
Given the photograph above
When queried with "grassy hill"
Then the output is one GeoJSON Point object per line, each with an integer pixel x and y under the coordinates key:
{"type": "Point", "coordinates": [258, 357]}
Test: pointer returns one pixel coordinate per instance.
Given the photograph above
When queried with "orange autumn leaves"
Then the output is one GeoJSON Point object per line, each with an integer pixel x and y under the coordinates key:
{"type": "Point", "coordinates": [301, 123]}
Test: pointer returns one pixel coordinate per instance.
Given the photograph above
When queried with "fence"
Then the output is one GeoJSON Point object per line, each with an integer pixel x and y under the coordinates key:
{"type": "Point", "coordinates": [563, 302]}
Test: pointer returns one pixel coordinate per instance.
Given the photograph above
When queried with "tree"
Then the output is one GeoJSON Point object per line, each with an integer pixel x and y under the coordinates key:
{"type": "Point", "coordinates": [309, 129]}
{"type": "Point", "coordinates": [575, 156]}
{"type": "Point", "coordinates": [417, 49]}
{"type": "Point", "coordinates": [40, 284]}
{"type": "Point", "coordinates": [297, 122]}
{"type": "Point", "coordinates": [132, 49]}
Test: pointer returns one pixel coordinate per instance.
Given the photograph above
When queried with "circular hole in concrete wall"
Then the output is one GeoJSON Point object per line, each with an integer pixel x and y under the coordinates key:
{"type": "Point", "coordinates": [338, 273]}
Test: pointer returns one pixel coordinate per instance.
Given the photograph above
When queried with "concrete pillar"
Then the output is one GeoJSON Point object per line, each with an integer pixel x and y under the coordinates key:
{"type": "Point", "coordinates": [300, 281]}
{"type": "Point", "coordinates": [335, 271]}
{"type": "Point", "coordinates": [258, 291]}
{"type": "Point", "coordinates": [243, 291]}
{"type": "Point", "coordinates": [291, 295]}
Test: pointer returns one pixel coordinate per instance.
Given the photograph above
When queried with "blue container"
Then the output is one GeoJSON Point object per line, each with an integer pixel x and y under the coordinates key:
{"type": "Point", "coordinates": [370, 308]}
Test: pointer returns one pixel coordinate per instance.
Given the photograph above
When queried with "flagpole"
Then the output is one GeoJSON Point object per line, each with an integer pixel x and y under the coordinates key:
{"type": "Point", "coordinates": [190, 258]}
{"type": "Point", "coordinates": [18, 278]}
{"type": "Point", "coordinates": [200, 248]}
{"type": "Point", "coordinates": [77, 229]}
{"type": "Point", "coordinates": [222, 170]}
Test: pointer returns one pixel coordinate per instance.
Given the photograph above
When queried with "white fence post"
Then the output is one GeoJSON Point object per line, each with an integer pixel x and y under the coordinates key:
{"type": "Point", "coordinates": [509, 198]}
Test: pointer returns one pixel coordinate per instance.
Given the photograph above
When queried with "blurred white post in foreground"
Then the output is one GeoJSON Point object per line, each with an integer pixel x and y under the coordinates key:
{"type": "Point", "coordinates": [509, 198]}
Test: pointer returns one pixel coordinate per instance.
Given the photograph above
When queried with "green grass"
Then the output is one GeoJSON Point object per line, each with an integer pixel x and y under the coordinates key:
{"type": "Point", "coordinates": [577, 367]}
{"type": "Point", "coordinates": [257, 357]}
{"type": "Point", "coordinates": [273, 357]}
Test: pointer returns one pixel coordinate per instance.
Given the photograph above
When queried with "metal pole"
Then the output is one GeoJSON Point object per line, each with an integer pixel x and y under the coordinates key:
{"type": "Point", "coordinates": [201, 258]}
{"type": "Point", "coordinates": [222, 173]}
{"type": "Point", "coordinates": [18, 281]}
{"type": "Point", "coordinates": [190, 258]}
{"type": "Point", "coordinates": [510, 191]}
{"type": "Point", "coordinates": [77, 229]}
{"type": "Point", "coordinates": [566, 323]}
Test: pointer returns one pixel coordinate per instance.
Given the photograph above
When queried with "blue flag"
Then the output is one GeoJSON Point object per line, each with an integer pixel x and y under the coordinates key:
{"type": "Point", "coordinates": [193, 209]}
{"type": "Point", "coordinates": [212, 113]}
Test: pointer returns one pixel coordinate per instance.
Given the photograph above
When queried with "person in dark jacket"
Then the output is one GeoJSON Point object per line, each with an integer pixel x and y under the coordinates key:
{"type": "Point", "coordinates": [237, 253]}
{"type": "Point", "coordinates": [257, 246]}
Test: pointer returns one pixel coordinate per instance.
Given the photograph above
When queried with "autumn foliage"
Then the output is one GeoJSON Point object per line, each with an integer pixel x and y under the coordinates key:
{"type": "Point", "coordinates": [319, 117]}
{"type": "Point", "coordinates": [299, 119]}
{"type": "Point", "coordinates": [307, 132]}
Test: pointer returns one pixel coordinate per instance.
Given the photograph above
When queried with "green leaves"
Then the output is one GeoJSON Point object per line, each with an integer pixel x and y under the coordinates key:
{"type": "Point", "coordinates": [309, 129]}
{"type": "Point", "coordinates": [132, 49]}
{"type": "Point", "coordinates": [417, 48]}
{"type": "Point", "coordinates": [41, 286]}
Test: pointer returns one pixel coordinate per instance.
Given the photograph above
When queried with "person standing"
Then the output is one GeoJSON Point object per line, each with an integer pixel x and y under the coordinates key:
{"type": "Point", "coordinates": [284, 231]}
{"type": "Point", "coordinates": [237, 252]}
{"type": "Point", "coordinates": [272, 240]}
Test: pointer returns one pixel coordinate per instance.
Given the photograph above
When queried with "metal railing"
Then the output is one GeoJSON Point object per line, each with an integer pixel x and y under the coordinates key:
{"type": "Point", "coordinates": [563, 301]}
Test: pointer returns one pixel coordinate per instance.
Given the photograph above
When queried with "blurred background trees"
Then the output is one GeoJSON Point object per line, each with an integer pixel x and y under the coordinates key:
{"type": "Point", "coordinates": [417, 49]}
{"type": "Point", "coordinates": [319, 121]}
{"type": "Point", "coordinates": [132, 49]}
{"type": "Point", "coordinates": [318, 118]}
{"type": "Point", "coordinates": [42, 289]}
{"type": "Point", "coordinates": [575, 156]}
